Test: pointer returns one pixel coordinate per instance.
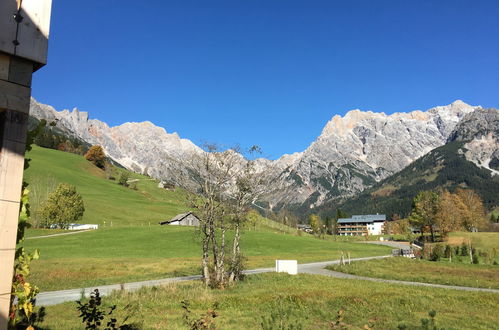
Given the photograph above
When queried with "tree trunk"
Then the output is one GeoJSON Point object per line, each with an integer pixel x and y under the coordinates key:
{"type": "Point", "coordinates": [432, 234]}
{"type": "Point", "coordinates": [205, 260]}
{"type": "Point", "coordinates": [235, 253]}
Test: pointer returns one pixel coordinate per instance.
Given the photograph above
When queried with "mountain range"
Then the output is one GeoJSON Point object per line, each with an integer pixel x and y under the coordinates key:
{"type": "Point", "coordinates": [353, 153]}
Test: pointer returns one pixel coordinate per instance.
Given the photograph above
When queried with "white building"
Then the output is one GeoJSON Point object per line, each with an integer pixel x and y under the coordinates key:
{"type": "Point", "coordinates": [361, 225]}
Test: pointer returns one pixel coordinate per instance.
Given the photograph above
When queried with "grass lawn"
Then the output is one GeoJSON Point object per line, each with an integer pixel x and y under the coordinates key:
{"type": "Point", "coordinates": [105, 200]}
{"type": "Point", "coordinates": [485, 241]}
{"type": "Point", "coordinates": [441, 272]}
{"type": "Point", "coordinates": [309, 300]}
{"type": "Point", "coordinates": [123, 254]}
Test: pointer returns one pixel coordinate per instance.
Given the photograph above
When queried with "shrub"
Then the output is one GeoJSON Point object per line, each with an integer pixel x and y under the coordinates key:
{"type": "Point", "coordinates": [205, 321]}
{"type": "Point", "coordinates": [124, 176]}
{"type": "Point", "coordinates": [464, 249]}
{"type": "Point", "coordinates": [448, 251]}
{"type": "Point", "coordinates": [437, 252]}
{"type": "Point", "coordinates": [93, 315]}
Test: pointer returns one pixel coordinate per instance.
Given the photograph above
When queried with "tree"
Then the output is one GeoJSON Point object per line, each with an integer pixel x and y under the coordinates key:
{"type": "Point", "coordinates": [449, 213]}
{"type": "Point", "coordinates": [225, 185]}
{"type": "Point", "coordinates": [424, 210]}
{"type": "Point", "coordinates": [63, 206]}
{"type": "Point", "coordinates": [473, 210]}
{"type": "Point", "coordinates": [97, 156]}
{"type": "Point", "coordinates": [315, 224]}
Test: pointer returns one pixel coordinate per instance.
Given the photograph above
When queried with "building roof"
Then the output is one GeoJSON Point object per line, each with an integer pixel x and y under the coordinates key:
{"type": "Point", "coordinates": [366, 218]}
{"type": "Point", "coordinates": [178, 217]}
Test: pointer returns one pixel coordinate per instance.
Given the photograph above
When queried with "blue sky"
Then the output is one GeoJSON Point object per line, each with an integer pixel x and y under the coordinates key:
{"type": "Point", "coordinates": [269, 72]}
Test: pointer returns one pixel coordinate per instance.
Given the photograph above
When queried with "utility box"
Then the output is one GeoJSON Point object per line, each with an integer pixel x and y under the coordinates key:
{"type": "Point", "coordinates": [24, 29]}
{"type": "Point", "coordinates": [286, 266]}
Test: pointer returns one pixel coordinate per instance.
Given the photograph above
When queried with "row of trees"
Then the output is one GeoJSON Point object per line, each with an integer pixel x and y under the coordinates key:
{"type": "Point", "coordinates": [47, 138]}
{"type": "Point", "coordinates": [445, 211]}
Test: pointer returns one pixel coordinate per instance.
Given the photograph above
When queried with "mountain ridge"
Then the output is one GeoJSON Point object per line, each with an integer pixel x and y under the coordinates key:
{"type": "Point", "coordinates": [352, 152]}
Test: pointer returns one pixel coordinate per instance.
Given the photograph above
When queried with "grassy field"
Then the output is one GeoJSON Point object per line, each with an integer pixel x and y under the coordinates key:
{"type": "Point", "coordinates": [483, 241]}
{"type": "Point", "coordinates": [308, 300]}
{"type": "Point", "coordinates": [442, 272]}
{"type": "Point", "coordinates": [105, 200]}
{"type": "Point", "coordinates": [122, 254]}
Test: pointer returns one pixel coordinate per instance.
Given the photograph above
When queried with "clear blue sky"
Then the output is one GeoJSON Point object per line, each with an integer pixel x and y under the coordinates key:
{"type": "Point", "coordinates": [270, 73]}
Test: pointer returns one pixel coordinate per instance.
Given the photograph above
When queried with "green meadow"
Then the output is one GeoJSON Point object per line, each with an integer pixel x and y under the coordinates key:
{"type": "Point", "coordinates": [123, 254]}
{"type": "Point", "coordinates": [311, 301]}
{"type": "Point", "coordinates": [439, 272]}
{"type": "Point", "coordinates": [105, 201]}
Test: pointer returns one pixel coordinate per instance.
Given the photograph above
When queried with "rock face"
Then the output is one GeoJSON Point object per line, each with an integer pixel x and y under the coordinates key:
{"type": "Point", "coordinates": [355, 151]}
{"type": "Point", "coordinates": [480, 131]}
{"type": "Point", "coordinates": [141, 147]}
{"type": "Point", "coordinates": [352, 153]}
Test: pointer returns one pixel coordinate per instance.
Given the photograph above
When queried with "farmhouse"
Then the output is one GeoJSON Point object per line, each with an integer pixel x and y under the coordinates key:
{"type": "Point", "coordinates": [361, 225]}
{"type": "Point", "coordinates": [184, 219]}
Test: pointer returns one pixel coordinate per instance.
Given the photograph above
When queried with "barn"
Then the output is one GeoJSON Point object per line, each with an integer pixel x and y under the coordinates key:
{"type": "Point", "coordinates": [184, 219]}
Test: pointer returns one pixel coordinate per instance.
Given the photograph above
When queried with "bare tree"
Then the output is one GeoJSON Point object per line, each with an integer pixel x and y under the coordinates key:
{"type": "Point", "coordinates": [222, 185]}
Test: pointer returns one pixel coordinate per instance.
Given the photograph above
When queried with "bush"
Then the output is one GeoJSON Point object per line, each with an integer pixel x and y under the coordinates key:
{"type": "Point", "coordinates": [205, 321]}
{"type": "Point", "coordinates": [448, 251]}
{"type": "Point", "coordinates": [437, 252]}
{"type": "Point", "coordinates": [124, 176]}
{"type": "Point", "coordinates": [93, 315]}
{"type": "Point", "coordinates": [464, 249]}
{"type": "Point", "coordinates": [63, 206]}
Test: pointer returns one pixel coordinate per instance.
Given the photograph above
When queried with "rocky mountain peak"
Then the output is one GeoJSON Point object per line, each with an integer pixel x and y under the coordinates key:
{"type": "Point", "coordinates": [352, 153]}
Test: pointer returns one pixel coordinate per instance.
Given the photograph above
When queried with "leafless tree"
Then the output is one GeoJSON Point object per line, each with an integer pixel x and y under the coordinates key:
{"type": "Point", "coordinates": [222, 185]}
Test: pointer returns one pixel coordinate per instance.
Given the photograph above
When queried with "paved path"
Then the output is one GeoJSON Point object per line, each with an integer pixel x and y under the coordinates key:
{"type": "Point", "coordinates": [393, 244]}
{"type": "Point", "coordinates": [316, 268]}
{"type": "Point", "coordinates": [57, 297]}
{"type": "Point", "coordinates": [325, 272]}
{"type": "Point", "coordinates": [61, 234]}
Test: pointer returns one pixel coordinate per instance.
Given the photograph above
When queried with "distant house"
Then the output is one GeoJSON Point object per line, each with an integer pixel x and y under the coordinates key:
{"type": "Point", "coordinates": [305, 228]}
{"type": "Point", "coordinates": [361, 225]}
{"type": "Point", "coordinates": [75, 226]}
{"type": "Point", "coordinates": [184, 219]}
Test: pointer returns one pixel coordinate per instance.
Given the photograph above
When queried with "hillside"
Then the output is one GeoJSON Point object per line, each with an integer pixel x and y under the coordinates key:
{"type": "Point", "coordinates": [105, 200]}
{"type": "Point", "coordinates": [444, 167]}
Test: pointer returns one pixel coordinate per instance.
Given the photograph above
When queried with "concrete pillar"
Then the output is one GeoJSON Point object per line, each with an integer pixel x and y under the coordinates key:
{"type": "Point", "coordinates": [15, 92]}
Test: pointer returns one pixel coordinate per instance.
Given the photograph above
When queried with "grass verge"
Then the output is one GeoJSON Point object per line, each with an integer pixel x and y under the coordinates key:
{"type": "Point", "coordinates": [310, 300]}
{"type": "Point", "coordinates": [441, 272]}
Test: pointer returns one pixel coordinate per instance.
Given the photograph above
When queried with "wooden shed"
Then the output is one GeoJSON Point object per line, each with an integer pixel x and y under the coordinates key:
{"type": "Point", "coordinates": [184, 219]}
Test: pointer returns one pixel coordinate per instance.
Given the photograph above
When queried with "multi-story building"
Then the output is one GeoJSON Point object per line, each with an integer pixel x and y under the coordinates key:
{"type": "Point", "coordinates": [361, 225]}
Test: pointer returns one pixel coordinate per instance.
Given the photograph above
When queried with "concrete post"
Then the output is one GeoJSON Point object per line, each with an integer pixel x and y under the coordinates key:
{"type": "Point", "coordinates": [15, 92]}
{"type": "Point", "coordinates": [24, 29]}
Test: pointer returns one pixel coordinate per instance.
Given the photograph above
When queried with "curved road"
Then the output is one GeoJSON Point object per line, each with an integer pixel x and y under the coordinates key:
{"type": "Point", "coordinates": [316, 268]}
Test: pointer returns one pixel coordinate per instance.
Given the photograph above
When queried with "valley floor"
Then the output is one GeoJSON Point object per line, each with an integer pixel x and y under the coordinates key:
{"type": "Point", "coordinates": [442, 272]}
{"type": "Point", "coordinates": [128, 254]}
{"type": "Point", "coordinates": [312, 301]}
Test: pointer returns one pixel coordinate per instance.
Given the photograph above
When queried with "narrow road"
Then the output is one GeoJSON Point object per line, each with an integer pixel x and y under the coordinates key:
{"type": "Point", "coordinates": [60, 234]}
{"type": "Point", "coordinates": [57, 297]}
{"type": "Point", "coordinates": [316, 268]}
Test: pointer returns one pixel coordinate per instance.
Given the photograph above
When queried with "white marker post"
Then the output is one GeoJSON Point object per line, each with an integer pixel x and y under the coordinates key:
{"type": "Point", "coordinates": [286, 266]}
{"type": "Point", "coordinates": [24, 31]}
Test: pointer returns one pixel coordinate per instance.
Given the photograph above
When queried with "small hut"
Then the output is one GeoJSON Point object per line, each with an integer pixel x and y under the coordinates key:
{"type": "Point", "coordinates": [184, 219]}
